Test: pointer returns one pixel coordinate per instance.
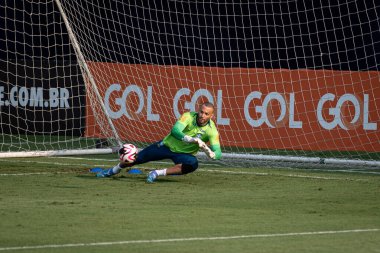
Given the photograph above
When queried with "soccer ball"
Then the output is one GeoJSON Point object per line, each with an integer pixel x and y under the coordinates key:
{"type": "Point", "coordinates": [128, 153]}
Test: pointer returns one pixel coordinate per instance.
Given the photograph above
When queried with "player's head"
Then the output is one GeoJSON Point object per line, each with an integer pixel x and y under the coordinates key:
{"type": "Point", "coordinates": [205, 112]}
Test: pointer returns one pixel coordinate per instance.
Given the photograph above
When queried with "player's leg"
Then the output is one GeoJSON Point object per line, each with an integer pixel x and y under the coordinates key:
{"type": "Point", "coordinates": [154, 152]}
{"type": "Point", "coordinates": [184, 164]}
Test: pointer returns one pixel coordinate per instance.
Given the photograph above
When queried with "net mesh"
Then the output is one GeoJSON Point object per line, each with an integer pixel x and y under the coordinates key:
{"type": "Point", "coordinates": [288, 78]}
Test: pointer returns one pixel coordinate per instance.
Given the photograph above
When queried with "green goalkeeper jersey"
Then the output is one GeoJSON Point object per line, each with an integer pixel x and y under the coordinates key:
{"type": "Point", "coordinates": [187, 125]}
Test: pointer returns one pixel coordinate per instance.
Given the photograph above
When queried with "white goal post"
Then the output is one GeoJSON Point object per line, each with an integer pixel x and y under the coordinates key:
{"type": "Point", "coordinates": [292, 82]}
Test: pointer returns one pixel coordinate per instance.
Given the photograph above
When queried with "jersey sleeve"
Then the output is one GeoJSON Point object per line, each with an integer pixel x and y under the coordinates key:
{"type": "Point", "coordinates": [215, 144]}
{"type": "Point", "coordinates": [180, 125]}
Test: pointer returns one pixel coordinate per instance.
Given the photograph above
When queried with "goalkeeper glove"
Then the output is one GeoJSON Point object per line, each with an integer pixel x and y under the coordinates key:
{"type": "Point", "coordinates": [209, 152]}
{"type": "Point", "coordinates": [201, 144]}
{"type": "Point", "coordinates": [189, 139]}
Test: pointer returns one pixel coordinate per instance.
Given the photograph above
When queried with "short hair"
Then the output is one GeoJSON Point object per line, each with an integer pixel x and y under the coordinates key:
{"type": "Point", "coordinates": [208, 104]}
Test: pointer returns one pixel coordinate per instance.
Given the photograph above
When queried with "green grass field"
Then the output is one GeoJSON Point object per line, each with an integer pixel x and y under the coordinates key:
{"type": "Point", "coordinates": [55, 205]}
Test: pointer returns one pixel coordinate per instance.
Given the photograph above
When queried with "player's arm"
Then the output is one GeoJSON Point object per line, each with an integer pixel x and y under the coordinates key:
{"type": "Point", "coordinates": [217, 151]}
{"type": "Point", "coordinates": [214, 147]}
{"type": "Point", "coordinates": [177, 130]}
{"type": "Point", "coordinates": [179, 126]}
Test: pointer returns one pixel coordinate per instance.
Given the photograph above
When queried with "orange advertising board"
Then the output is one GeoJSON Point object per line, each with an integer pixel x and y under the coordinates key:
{"type": "Point", "coordinates": [257, 108]}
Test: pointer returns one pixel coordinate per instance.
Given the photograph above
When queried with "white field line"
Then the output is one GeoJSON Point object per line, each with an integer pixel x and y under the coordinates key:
{"type": "Point", "coordinates": [279, 175]}
{"type": "Point", "coordinates": [352, 171]}
{"type": "Point", "coordinates": [59, 163]}
{"type": "Point", "coordinates": [32, 173]}
{"type": "Point", "coordinates": [187, 239]}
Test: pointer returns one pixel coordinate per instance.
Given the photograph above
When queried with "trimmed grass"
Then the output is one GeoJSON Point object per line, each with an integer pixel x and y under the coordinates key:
{"type": "Point", "coordinates": [68, 205]}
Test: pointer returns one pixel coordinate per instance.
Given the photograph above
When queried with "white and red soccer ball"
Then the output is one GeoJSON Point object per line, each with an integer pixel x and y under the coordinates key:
{"type": "Point", "coordinates": [128, 153]}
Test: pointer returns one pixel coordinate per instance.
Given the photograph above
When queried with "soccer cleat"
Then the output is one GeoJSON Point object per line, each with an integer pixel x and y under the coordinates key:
{"type": "Point", "coordinates": [105, 173]}
{"type": "Point", "coordinates": [152, 176]}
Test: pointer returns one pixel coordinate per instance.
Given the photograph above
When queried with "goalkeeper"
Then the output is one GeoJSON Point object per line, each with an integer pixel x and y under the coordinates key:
{"type": "Point", "coordinates": [188, 135]}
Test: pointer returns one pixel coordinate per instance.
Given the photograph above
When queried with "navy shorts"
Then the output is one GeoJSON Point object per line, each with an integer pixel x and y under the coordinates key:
{"type": "Point", "coordinates": [158, 151]}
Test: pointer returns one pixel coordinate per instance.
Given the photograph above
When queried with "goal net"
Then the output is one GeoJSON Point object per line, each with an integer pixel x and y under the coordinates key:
{"type": "Point", "coordinates": [292, 81]}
